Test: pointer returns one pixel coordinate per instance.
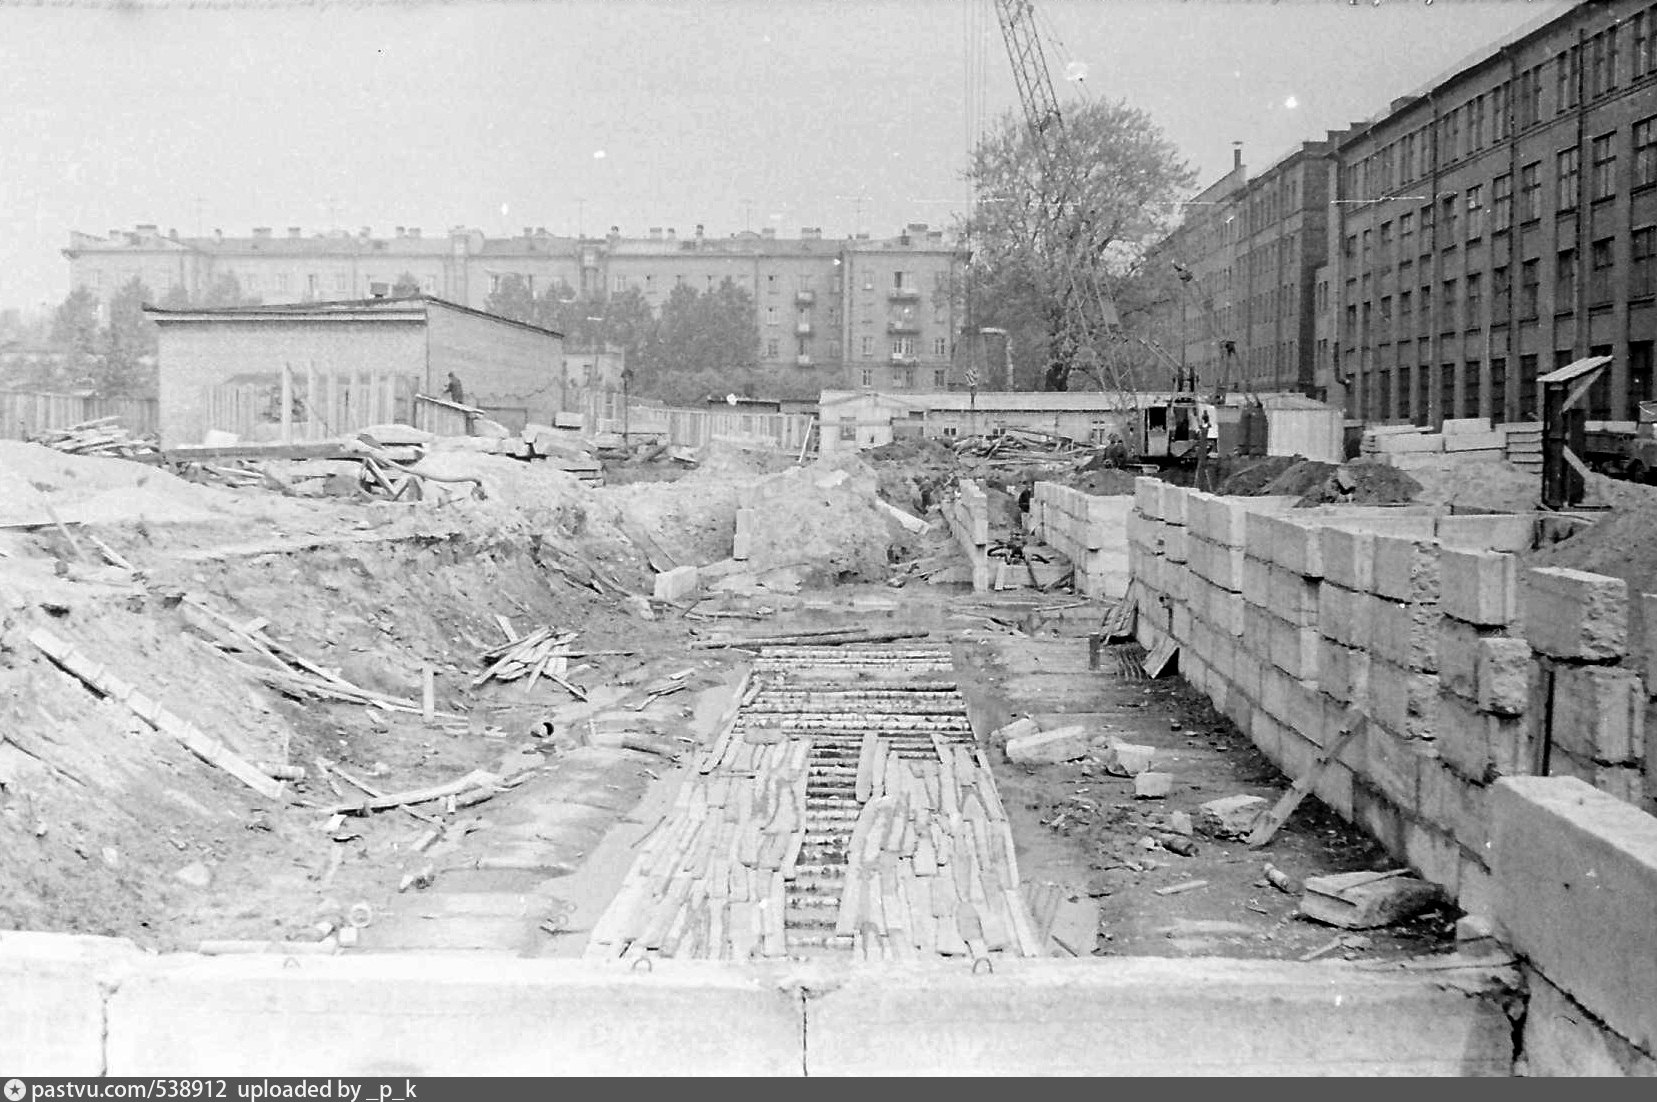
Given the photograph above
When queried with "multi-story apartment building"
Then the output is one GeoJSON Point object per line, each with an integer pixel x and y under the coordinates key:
{"type": "Point", "coordinates": [856, 312]}
{"type": "Point", "coordinates": [1481, 231]}
{"type": "Point", "coordinates": [1251, 248]}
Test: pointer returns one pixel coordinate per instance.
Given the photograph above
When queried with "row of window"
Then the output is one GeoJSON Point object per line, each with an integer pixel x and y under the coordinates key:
{"type": "Point", "coordinates": [901, 348]}
{"type": "Point", "coordinates": [1406, 392]}
{"type": "Point", "coordinates": [1512, 106]}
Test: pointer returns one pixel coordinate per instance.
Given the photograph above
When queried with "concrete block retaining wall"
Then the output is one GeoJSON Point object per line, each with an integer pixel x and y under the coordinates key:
{"type": "Point", "coordinates": [70, 1007]}
{"type": "Point", "coordinates": [1470, 667]}
{"type": "Point", "coordinates": [1090, 531]}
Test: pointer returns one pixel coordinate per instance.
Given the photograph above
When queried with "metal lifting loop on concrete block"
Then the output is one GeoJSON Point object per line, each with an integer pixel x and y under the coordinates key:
{"type": "Point", "coordinates": [290, 962]}
{"type": "Point", "coordinates": [986, 962]}
{"type": "Point", "coordinates": [649, 964]}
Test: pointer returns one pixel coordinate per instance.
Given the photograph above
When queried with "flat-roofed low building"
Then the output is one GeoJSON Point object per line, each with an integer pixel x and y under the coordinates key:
{"type": "Point", "coordinates": [317, 370]}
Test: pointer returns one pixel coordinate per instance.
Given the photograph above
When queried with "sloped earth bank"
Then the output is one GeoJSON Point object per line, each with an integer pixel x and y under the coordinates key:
{"type": "Point", "coordinates": [108, 827]}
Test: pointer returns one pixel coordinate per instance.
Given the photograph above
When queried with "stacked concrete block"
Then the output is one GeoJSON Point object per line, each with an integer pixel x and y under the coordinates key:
{"type": "Point", "coordinates": [1595, 700]}
{"type": "Point", "coordinates": [1094, 533]}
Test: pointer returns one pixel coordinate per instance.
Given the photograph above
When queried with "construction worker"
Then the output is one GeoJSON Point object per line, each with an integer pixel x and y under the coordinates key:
{"type": "Point", "coordinates": [1116, 452]}
{"type": "Point", "coordinates": [456, 393]}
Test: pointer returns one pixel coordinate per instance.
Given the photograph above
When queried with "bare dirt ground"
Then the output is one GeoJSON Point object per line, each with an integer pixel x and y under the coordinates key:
{"type": "Point", "coordinates": [108, 826]}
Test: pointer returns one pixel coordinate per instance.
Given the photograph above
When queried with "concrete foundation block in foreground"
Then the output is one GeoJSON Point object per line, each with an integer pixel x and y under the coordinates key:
{"type": "Point", "coordinates": [1576, 871]}
{"type": "Point", "coordinates": [1477, 587]}
{"type": "Point", "coordinates": [413, 1016]}
{"type": "Point", "coordinates": [1151, 1016]}
{"type": "Point", "coordinates": [52, 1000]}
{"type": "Point", "coordinates": [1563, 1039]}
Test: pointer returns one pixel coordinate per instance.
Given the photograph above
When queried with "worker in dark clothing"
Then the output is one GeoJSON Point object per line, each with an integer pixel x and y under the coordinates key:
{"type": "Point", "coordinates": [1116, 452]}
{"type": "Point", "coordinates": [453, 389]}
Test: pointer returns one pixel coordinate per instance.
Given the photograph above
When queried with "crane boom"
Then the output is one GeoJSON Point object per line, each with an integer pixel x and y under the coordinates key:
{"type": "Point", "coordinates": [1085, 310]}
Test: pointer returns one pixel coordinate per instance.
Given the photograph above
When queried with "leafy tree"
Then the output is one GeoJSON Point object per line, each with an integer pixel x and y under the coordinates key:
{"type": "Point", "coordinates": [75, 326]}
{"type": "Point", "coordinates": [226, 290]}
{"type": "Point", "coordinates": [407, 286]}
{"type": "Point", "coordinates": [176, 298]}
{"type": "Point", "coordinates": [129, 343]}
{"type": "Point", "coordinates": [512, 298]}
{"type": "Point", "coordinates": [712, 334]}
{"type": "Point", "coordinates": [1045, 234]}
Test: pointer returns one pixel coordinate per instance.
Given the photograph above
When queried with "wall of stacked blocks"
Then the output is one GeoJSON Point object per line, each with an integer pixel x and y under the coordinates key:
{"type": "Point", "coordinates": [1504, 756]}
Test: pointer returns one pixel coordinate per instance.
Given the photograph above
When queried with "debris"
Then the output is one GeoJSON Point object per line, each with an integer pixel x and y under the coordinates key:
{"type": "Point", "coordinates": [475, 779]}
{"type": "Point", "coordinates": [1163, 658]}
{"type": "Point", "coordinates": [1230, 816]}
{"type": "Point", "coordinates": [1178, 843]}
{"type": "Point", "coordinates": [1180, 823]}
{"type": "Point", "coordinates": [1181, 888]}
{"type": "Point", "coordinates": [1350, 944]}
{"type": "Point", "coordinates": [1363, 900]}
{"type": "Point", "coordinates": [1281, 880]}
{"type": "Point", "coordinates": [1018, 728]}
{"type": "Point", "coordinates": [100, 437]}
{"type": "Point", "coordinates": [1152, 786]}
{"type": "Point", "coordinates": [1127, 759]}
{"type": "Point", "coordinates": [1048, 747]}
{"type": "Point", "coordinates": [196, 874]}
{"type": "Point", "coordinates": [421, 879]}
{"type": "Point", "coordinates": [807, 639]}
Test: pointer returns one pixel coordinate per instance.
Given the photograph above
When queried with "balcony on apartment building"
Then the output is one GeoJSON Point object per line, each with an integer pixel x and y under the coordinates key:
{"type": "Point", "coordinates": [906, 325]}
{"type": "Point", "coordinates": [802, 327]}
{"type": "Point", "coordinates": [904, 359]}
{"type": "Point", "coordinates": [804, 297]}
{"type": "Point", "coordinates": [904, 294]}
{"type": "Point", "coordinates": [802, 360]}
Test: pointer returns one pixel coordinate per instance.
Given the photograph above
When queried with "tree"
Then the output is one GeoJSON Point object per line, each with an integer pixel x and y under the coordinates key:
{"type": "Point", "coordinates": [512, 298]}
{"type": "Point", "coordinates": [712, 334]}
{"type": "Point", "coordinates": [75, 327]}
{"type": "Point", "coordinates": [226, 290]}
{"type": "Point", "coordinates": [407, 286]}
{"type": "Point", "coordinates": [1044, 233]}
{"type": "Point", "coordinates": [127, 368]}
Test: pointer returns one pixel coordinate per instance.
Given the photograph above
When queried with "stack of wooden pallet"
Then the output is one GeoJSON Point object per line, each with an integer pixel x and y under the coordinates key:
{"type": "Point", "coordinates": [100, 437]}
{"type": "Point", "coordinates": [1524, 445]}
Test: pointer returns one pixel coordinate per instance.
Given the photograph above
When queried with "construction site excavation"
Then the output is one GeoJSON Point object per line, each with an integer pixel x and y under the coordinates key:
{"type": "Point", "coordinates": [624, 757]}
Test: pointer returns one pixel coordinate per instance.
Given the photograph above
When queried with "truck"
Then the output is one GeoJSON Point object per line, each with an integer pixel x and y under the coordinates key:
{"type": "Point", "coordinates": [1624, 449]}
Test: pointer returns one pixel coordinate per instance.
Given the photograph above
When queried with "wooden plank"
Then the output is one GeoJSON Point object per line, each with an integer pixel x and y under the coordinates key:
{"type": "Point", "coordinates": [1162, 655]}
{"type": "Point", "coordinates": [67, 657]}
{"type": "Point", "coordinates": [1274, 819]}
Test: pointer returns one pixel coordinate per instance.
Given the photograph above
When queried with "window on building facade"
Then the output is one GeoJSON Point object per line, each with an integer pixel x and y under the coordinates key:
{"type": "Point", "coordinates": [617, 285]}
{"type": "Point", "coordinates": [430, 283]}
{"type": "Point", "coordinates": [1406, 314]}
{"type": "Point", "coordinates": [1568, 168]}
{"type": "Point", "coordinates": [1530, 283]}
{"type": "Point", "coordinates": [1642, 276]}
{"type": "Point", "coordinates": [772, 351]}
{"type": "Point", "coordinates": [897, 281]}
{"type": "Point", "coordinates": [1528, 366]}
{"type": "Point", "coordinates": [1639, 376]}
{"type": "Point", "coordinates": [1351, 246]}
{"type": "Point", "coordinates": [903, 347]}
{"type": "Point", "coordinates": [940, 346]}
{"type": "Point", "coordinates": [1475, 212]}
{"type": "Point", "coordinates": [1447, 303]}
{"type": "Point", "coordinates": [1447, 221]}
{"type": "Point", "coordinates": [1530, 192]}
{"type": "Point", "coordinates": [1602, 62]}
{"type": "Point", "coordinates": [1498, 389]}
{"type": "Point", "coordinates": [1447, 391]}
{"type": "Point", "coordinates": [1601, 258]}
{"type": "Point", "coordinates": [342, 282]}
{"type": "Point", "coordinates": [1645, 152]}
{"type": "Point", "coordinates": [834, 348]}
{"type": "Point", "coordinates": [282, 282]}
{"type": "Point", "coordinates": [1603, 153]}
{"type": "Point", "coordinates": [770, 315]}
{"type": "Point", "coordinates": [1475, 300]}
{"type": "Point", "coordinates": [1501, 111]}
{"type": "Point", "coordinates": [1478, 122]}
{"type": "Point", "coordinates": [1501, 292]}
{"type": "Point", "coordinates": [1501, 203]}
{"type": "Point", "coordinates": [1564, 282]}
{"type": "Point", "coordinates": [1640, 56]}
{"type": "Point", "coordinates": [867, 348]}
{"type": "Point", "coordinates": [1567, 78]}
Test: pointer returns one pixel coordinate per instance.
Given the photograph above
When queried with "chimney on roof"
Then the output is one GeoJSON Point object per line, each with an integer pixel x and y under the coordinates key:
{"type": "Point", "coordinates": [365, 232]}
{"type": "Point", "coordinates": [400, 231]}
{"type": "Point", "coordinates": [672, 234]}
{"type": "Point", "coordinates": [768, 232]}
{"type": "Point", "coordinates": [115, 235]}
{"type": "Point", "coordinates": [655, 233]}
{"type": "Point", "coordinates": [916, 227]}
{"type": "Point", "coordinates": [261, 232]}
{"type": "Point", "coordinates": [414, 233]}
{"type": "Point", "coordinates": [541, 231]}
{"type": "Point", "coordinates": [1236, 154]}
{"type": "Point", "coordinates": [615, 231]}
{"type": "Point", "coordinates": [295, 231]}
{"type": "Point", "coordinates": [218, 235]}
{"type": "Point", "coordinates": [148, 229]}
{"type": "Point", "coordinates": [172, 235]}
{"type": "Point", "coordinates": [698, 231]}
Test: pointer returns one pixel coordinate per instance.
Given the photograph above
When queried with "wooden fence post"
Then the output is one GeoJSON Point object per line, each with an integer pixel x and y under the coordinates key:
{"type": "Point", "coordinates": [287, 403]}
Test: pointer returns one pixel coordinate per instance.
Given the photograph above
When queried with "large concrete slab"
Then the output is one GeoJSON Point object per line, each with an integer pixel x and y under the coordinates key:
{"type": "Point", "coordinates": [431, 1015]}
{"type": "Point", "coordinates": [52, 1001]}
{"type": "Point", "coordinates": [1153, 1016]}
{"type": "Point", "coordinates": [1576, 871]}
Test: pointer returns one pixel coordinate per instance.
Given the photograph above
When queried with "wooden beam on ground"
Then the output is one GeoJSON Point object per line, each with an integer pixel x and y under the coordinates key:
{"type": "Point", "coordinates": [1278, 815]}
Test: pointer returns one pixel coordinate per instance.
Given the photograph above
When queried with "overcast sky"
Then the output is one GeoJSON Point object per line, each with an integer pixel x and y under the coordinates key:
{"type": "Point", "coordinates": [590, 113]}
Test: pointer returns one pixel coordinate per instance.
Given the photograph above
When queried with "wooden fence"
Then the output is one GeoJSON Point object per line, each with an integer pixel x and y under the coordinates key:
{"type": "Point", "coordinates": [695, 427]}
{"type": "Point", "coordinates": [310, 403]}
{"type": "Point", "coordinates": [29, 413]}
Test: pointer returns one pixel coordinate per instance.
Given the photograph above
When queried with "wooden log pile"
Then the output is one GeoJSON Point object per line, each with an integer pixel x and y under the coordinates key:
{"type": "Point", "coordinates": [544, 652]}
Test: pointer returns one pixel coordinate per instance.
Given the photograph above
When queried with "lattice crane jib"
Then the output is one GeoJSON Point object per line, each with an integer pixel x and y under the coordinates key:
{"type": "Point", "coordinates": [1088, 312]}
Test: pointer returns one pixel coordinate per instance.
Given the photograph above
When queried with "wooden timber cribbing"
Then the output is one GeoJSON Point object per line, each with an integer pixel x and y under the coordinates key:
{"type": "Point", "coordinates": [831, 819]}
